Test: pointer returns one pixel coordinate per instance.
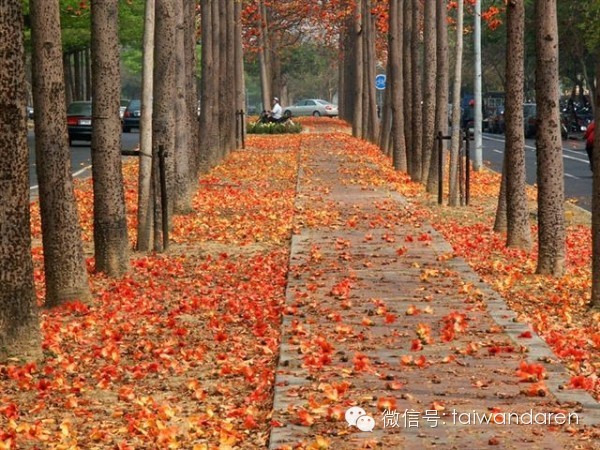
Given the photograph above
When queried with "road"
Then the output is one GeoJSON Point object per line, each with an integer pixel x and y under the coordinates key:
{"type": "Point", "coordinates": [578, 176]}
{"type": "Point", "coordinates": [81, 159]}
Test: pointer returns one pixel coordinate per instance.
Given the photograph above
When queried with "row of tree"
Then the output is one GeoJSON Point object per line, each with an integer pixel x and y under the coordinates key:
{"type": "Point", "coordinates": [170, 128]}
{"type": "Point", "coordinates": [415, 110]}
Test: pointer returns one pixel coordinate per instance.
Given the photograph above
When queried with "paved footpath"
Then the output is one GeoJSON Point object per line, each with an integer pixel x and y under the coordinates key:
{"type": "Point", "coordinates": [382, 321]}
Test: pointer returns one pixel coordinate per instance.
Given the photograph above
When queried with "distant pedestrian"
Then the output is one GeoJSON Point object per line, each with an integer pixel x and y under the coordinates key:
{"type": "Point", "coordinates": [589, 143]}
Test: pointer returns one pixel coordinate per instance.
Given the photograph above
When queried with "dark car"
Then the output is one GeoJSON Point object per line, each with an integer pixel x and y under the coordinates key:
{"type": "Point", "coordinates": [79, 121]}
{"type": "Point", "coordinates": [131, 117]}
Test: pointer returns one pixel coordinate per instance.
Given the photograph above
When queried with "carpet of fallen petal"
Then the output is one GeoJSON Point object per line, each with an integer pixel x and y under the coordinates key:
{"type": "Point", "coordinates": [181, 352]}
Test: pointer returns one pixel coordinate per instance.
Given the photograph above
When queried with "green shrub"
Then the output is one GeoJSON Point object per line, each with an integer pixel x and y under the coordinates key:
{"type": "Point", "coordinates": [273, 128]}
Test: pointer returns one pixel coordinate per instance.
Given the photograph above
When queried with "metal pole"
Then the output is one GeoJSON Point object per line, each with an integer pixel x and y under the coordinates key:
{"type": "Point", "coordinates": [237, 129]}
{"type": "Point", "coordinates": [467, 171]}
{"type": "Point", "coordinates": [440, 168]}
{"type": "Point", "coordinates": [163, 196]}
{"type": "Point", "coordinates": [243, 128]}
{"type": "Point", "coordinates": [478, 159]}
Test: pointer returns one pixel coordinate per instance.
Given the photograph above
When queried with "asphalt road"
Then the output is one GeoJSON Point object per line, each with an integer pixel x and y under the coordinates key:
{"type": "Point", "coordinates": [81, 159]}
{"type": "Point", "coordinates": [578, 176]}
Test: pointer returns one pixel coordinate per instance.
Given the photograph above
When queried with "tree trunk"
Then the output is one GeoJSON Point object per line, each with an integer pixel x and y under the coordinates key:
{"type": "Point", "coordinates": [215, 139]}
{"type": "Point", "coordinates": [263, 56]}
{"type": "Point", "coordinates": [145, 229]}
{"type": "Point", "coordinates": [19, 324]}
{"type": "Point", "coordinates": [407, 81]}
{"type": "Point", "coordinates": [596, 202]}
{"type": "Point", "coordinates": [65, 271]}
{"type": "Point", "coordinates": [183, 187]}
{"type": "Point", "coordinates": [517, 213]}
{"type": "Point", "coordinates": [396, 18]}
{"type": "Point", "coordinates": [88, 74]}
{"type": "Point", "coordinates": [456, 132]}
{"type": "Point", "coordinates": [163, 120]}
{"type": "Point", "coordinates": [111, 246]}
{"type": "Point", "coordinates": [68, 70]}
{"type": "Point", "coordinates": [191, 88]}
{"type": "Point", "coordinates": [417, 93]}
{"type": "Point", "coordinates": [207, 89]}
{"type": "Point", "coordinates": [501, 220]}
{"type": "Point", "coordinates": [386, 117]}
{"type": "Point", "coordinates": [77, 75]}
{"type": "Point", "coordinates": [441, 89]}
{"type": "Point", "coordinates": [240, 91]}
{"type": "Point", "coordinates": [429, 82]}
{"type": "Point", "coordinates": [550, 171]}
{"type": "Point", "coordinates": [370, 121]}
{"type": "Point", "coordinates": [357, 120]}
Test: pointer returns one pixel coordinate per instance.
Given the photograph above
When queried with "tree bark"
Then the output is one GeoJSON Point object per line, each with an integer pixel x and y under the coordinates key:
{"type": "Point", "coordinates": [19, 323]}
{"type": "Point", "coordinates": [65, 271]}
{"type": "Point", "coordinates": [501, 220]}
{"type": "Point", "coordinates": [395, 84]}
{"type": "Point", "coordinates": [183, 187]}
{"type": "Point", "coordinates": [441, 89]}
{"type": "Point", "coordinates": [240, 93]}
{"type": "Point", "coordinates": [263, 56]}
{"type": "Point", "coordinates": [111, 245]}
{"type": "Point", "coordinates": [456, 132]}
{"type": "Point", "coordinates": [207, 73]}
{"type": "Point", "coordinates": [417, 93]}
{"type": "Point", "coordinates": [145, 228]}
{"type": "Point", "coordinates": [163, 120]}
{"type": "Point", "coordinates": [357, 120]}
{"type": "Point", "coordinates": [429, 84]}
{"type": "Point", "coordinates": [550, 170]}
{"type": "Point", "coordinates": [370, 121]}
{"type": "Point", "coordinates": [595, 303]}
{"type": "Point", "coordinates": [517, 213]}
{"type": "Point", "coordinates": [407, 81]}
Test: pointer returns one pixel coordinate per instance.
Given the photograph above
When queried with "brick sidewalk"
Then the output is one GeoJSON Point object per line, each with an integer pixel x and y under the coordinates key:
{"type": "Point", "coordinates": [379, 315]}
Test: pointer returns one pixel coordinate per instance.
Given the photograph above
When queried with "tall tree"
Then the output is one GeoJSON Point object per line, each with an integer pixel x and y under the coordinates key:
{"type": "Point", "coordinates": [441, 90]}
{"type": "Point", "coordinates": [145, 202]}
{"type": "Point", "coordinates": [417, 92]}
{"type": "Point", "coordinates": [358, 84]}
{"type": "Point", "coordinates": [429, 84]}
{"type": "Point", "coordinates": [517, 213]}
{"type": "Point", "coordinates": [396, 20]}
{"type": "Point", "coordinates": [163, 119]}
{"type": "Point", "coordinates": [456, 136]}
{"type": "Point", "coordinates": [111, 245]}
{"type": "Point", "coordinates": [407, 80]}
{"type": "Point", "coordinates": [208, 126]}
{"type": "Point", "coordinates": [184, 180]}
{"type": "Point", "coordinates": [596, 200]}
{"type": "Point", "coordinates": [19, 324]}
{"type": "Point", "coordinates": [64, 265]}
{"type": "Point", "coordinates": [550, 170]}
{"type": "Point", "coordinates": [369, 122]}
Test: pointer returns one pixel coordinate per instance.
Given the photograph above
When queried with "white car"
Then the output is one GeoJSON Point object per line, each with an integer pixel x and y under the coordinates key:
{"type": "Point", "coordinates": [311, 107]}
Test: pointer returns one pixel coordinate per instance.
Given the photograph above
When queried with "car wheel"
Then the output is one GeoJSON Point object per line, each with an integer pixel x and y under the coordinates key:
{"type": "Point", "coordinates": [316, 114]}
{"type": "Point", "coordinates": [126, 130]}
{"type": "Point", "coordinates": [287, 114]}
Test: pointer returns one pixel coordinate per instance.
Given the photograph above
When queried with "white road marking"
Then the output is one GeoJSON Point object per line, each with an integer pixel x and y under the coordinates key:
{"type": "Point", "coordinates": [75, 174]}
{"type": "Point", "coordinates": [529, 147]}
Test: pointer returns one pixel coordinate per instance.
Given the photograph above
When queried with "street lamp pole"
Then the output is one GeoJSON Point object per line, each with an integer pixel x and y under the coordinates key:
{"type": "Point", "coordinates": [478, 154]}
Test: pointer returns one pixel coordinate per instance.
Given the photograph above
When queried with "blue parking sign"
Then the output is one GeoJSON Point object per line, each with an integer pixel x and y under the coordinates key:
{"type": "Point", "coordinates": [380, 82]}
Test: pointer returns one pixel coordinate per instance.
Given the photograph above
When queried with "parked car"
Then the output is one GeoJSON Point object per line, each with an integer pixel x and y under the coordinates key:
{"type": "Point", "coordinates": [29, 110]}
{"type": "Point", "coordinates": [496, 121]}
{"type": "Point", "coordinates": [311, 107]}
{"type": "Point", "coordinates": [79, 121]}
{"type": "Point", "coordinates": [122, 108]}
{"type": "Point", "coordinates": [131, 117]}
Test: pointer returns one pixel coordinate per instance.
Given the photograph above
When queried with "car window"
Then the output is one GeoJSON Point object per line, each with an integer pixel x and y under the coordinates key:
{"type": "Point", "coordinates": [310, 103]}
{"type": "Point", "coordinates": [134, 104]}
{"type": "Point", "coordinates": [81, 108]}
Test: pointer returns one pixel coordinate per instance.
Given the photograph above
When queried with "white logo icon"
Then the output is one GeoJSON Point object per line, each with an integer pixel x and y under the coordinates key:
{"type": "Point", "coordinates": [356, 416]}
{"type": "Point", "coordinates": [365, 423]}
